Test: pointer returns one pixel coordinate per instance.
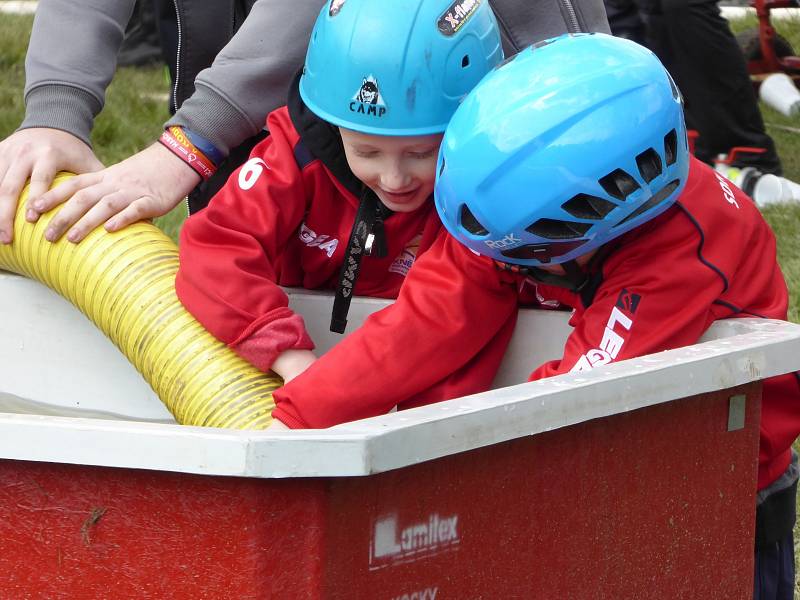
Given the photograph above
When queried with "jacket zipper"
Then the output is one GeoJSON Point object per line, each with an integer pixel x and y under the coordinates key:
{"type": "Point", "coordinates": [177, 57]}
{"type": "Point", "coordinates": [178, 75]}
{"type": "Point", "coordinates": [571, 17]}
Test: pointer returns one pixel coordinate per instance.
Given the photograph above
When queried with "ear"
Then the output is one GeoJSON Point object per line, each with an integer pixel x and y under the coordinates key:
{"type": "Point", "coordinates": [364, 81]}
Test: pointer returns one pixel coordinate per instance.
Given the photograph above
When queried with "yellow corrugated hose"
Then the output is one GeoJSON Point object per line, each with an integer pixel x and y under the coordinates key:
{"type": "Point", "coordinates": [125, 283]}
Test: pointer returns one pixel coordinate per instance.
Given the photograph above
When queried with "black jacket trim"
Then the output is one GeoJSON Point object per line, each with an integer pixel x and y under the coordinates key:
{"type": "Point", "coordinates": [700, 256]}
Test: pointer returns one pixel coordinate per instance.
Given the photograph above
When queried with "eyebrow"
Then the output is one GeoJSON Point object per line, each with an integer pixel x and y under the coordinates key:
{"type": "Point", "coordinates": [360, 147]}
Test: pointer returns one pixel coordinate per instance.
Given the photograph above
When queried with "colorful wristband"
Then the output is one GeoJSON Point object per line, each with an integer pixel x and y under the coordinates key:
{"type": "Point", "coordinates": [205, 146]}
{"type": "Point", "coordinates": [175, 140]}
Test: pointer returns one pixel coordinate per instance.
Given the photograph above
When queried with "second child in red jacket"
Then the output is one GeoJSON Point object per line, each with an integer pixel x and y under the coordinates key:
{"type": "Point", "coordinates": [339, 195]}
{"type": "Point", "coordinates": [568, 168]}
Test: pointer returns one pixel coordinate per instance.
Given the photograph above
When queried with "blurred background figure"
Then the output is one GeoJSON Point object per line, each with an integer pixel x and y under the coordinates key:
{"type": "Point", "coordinates": [696, 45]}
{"type": "Point", "coordinates": [142, 44]}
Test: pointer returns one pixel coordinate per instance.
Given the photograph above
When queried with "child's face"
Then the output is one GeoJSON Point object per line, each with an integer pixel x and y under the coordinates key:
{"type": "Point", "coordinates": [400, 170]}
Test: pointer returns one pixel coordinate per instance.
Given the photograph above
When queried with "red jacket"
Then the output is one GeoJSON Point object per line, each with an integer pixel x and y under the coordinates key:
{"type": "Point", "coordinates": [711, 256]}
{"type": "Point", "coordinates": [283, 218]}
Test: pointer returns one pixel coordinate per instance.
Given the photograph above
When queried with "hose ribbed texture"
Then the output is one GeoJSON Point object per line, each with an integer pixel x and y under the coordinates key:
{"type": "Point", "coordinates": [124, 282]}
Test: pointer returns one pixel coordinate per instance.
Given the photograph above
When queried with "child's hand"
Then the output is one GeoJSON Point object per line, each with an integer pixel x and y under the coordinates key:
{"type": "Point", "coordinates": [290, 363]}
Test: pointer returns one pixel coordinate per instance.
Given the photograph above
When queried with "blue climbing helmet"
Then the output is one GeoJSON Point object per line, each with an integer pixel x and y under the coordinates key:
{"type": "Point", "coordinates": [400, 67]}
{"type": "Point", "coordinates": [573, 142]}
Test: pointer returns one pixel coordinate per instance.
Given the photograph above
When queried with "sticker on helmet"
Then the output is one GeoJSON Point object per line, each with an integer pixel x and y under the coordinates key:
{"type": "Point", "coordinates": [336, 6]}
{"type": "Point", "coordinates": [508, 241]}
{"type": "Point", "coordinates": [368, 99]}
{"type": "Point", "coordinates": [454, 17]}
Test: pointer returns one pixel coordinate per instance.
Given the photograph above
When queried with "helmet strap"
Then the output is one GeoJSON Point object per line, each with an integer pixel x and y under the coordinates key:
{"type": "Point", "coordinates": [576, 276]}
{"type": "Point", "coordinates": [583, 282]}
{"type": "Point", "coordinates": [366, 237]}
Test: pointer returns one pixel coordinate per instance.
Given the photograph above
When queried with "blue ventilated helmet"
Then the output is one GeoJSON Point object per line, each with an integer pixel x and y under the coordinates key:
{"type": "Point", "coordinates": [400, 67]}
{"type": "Point", "coordinates": [572, 143]}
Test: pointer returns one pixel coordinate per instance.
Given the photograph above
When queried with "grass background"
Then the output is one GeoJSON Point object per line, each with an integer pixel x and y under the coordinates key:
{"type": "Point", "coordinates": [136, 107]}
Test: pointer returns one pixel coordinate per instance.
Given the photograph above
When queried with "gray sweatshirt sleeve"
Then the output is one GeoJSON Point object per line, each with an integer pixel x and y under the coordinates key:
{"type": "Point", "coordinates": [71, 59]}
{"type": "Point", "coordinates": [251, 75]}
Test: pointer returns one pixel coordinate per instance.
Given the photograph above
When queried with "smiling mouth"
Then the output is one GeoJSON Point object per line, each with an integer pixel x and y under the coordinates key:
{"type": "Point", "coordinates": [400, 195]}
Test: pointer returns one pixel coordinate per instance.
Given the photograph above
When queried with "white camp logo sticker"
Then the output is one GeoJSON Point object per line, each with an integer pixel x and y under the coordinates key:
{"type": "Point", "coordinates": [368, 99]}
{"type": "Point", "coordinates": [393, 544]}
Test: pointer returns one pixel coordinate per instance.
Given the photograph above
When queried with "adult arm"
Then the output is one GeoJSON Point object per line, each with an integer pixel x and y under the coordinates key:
{"type": "Point", "coordinates": [250, 76]}
{"type": "Point", "coordinates": [71, 59]}
{"type": "Point", "coordinates": [451, 306]}
{"type": "Point", "coordinates": [248, 79]}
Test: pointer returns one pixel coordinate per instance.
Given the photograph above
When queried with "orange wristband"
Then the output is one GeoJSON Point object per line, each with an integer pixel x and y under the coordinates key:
{"type": "Point", "coordinates": [177, 142]}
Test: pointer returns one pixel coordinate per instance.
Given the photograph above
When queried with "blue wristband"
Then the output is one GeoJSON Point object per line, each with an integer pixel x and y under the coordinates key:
{"type": "Point", "coordinates": [205, 146]}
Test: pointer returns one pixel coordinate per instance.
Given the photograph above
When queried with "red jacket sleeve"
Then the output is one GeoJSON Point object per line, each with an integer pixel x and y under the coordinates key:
{"type": "Point", "coordinates": [452, 307]}
{"type": "Point", "coordinates": [230, 255]}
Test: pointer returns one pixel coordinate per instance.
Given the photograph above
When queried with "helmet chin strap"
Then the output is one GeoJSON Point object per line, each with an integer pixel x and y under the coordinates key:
{"type": "Point", "coordinates": [366, 237]}
{"type": "Point", "coordinates": [574, 278]}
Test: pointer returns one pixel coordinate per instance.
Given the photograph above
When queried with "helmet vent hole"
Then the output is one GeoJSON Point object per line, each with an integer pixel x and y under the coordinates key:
{"type": "Point", "coordinates": [470, 223]}
{"type": "Point", "coordinates": [465, 61]}
{"type": "Point", "coordinates": [655, 200]}
{"type": "Point", "coordinates": [552, 229]}
{"type": "Point", "coordinates": [619, 184]}
{"type": "Point", "coordinates": [441, 167]}
{"type": "Point", "coordinates": [671, 147]}
{"type": "Point", "coordinates": [584, 206]}
{"type": "Point", "coordinates": [649, 163]}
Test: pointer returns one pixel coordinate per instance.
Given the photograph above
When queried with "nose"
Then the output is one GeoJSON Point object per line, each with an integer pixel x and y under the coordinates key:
{"type": "Point", "coordinates": [395, 178]}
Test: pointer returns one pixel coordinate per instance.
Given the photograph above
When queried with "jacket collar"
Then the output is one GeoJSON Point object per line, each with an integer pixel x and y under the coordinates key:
{"type": "Point", "coordinates": [321, 139]}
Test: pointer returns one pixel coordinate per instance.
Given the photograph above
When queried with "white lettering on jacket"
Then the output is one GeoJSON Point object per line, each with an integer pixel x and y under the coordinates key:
{"type": "Point", "coordinates": [610, 344]}
{"type": "Point", "coordinates": [324, 242]}
{"type": "Point", "coordinates": [727, 192]}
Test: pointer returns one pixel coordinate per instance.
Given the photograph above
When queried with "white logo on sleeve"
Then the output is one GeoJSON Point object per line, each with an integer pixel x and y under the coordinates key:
{"type": "Point", "coordinates": [250, 172]}
{"type": "Point", "coordinates": [618, 325]}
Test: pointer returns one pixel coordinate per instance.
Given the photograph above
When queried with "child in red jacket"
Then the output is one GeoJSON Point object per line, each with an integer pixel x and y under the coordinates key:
{"type": "Point", "coordinates": [338, 195]}
{"type": "Point", "coordinates": [568, 170]}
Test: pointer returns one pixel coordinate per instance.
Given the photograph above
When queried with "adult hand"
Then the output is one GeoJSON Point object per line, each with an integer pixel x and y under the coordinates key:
{"type": "Point", "coordinates": [37, 154]}
{"type": "Point", "coordinates": [146, 185]}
